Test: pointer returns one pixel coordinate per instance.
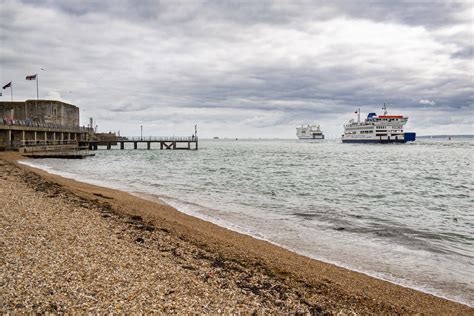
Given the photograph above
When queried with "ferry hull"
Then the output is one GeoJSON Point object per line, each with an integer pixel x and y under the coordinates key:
{"type": "Point", "coordinates": [311, 138]}
{"type": "Point", "coordinates": [407, 137]}
{"type": "Point", "coordinates": [374, 141]}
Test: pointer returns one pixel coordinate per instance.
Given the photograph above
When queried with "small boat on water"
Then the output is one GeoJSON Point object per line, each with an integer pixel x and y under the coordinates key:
{"type": "Point", "coordinates": [309, 132]}
{"type": "Point", "coordinates": [377, 129]}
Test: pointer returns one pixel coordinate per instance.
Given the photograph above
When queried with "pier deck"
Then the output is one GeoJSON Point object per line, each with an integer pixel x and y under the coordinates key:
{"type": "Point", "coordinates": [58, 149]}
{"type": "Point", "coordinates": [61, 155]}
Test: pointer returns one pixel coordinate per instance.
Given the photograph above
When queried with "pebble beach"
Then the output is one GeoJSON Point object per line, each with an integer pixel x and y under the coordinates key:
{"type": "Point", "coordinates": [70, 247]}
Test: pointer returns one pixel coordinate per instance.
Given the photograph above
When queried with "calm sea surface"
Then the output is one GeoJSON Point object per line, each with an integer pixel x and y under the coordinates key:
{"type": "Point", "coordinates": [403, 213]}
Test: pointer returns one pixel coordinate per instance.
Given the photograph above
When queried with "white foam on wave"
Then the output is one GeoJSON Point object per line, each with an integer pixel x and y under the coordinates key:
{"type": "Point", "coordinates": [74, 176]}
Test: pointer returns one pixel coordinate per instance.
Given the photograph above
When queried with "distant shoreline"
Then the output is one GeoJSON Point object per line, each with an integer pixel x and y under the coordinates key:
{"type": "Point", "coordinates": [446, 136]}
{"type": "Point", "coordinates": [295, 138]}
{"type": "Point", "coordinates": [310, 284]}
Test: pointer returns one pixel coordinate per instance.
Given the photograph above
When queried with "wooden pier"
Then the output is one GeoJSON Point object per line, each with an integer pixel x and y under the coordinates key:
{"type": "Point", "coordinates": [169, 143]}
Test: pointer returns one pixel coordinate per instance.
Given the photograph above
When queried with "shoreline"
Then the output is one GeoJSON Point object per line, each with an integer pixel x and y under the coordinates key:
{"type": "Point", "coordinates": [174, 202]}
{"type": "Point", "coordinates": [325, 285]}
{"type": "Point", "coordinates": [237, 229]}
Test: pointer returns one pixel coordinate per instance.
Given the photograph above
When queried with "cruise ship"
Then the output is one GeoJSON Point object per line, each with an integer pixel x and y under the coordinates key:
{"type": "Point", "coordinates": [377, 129]}
{"type": "Point", "coordinates": [309, 132]}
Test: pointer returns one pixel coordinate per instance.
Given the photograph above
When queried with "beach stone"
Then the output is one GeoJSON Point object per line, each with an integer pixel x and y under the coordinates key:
{"type": "Point", "coordinates": [60, 255]}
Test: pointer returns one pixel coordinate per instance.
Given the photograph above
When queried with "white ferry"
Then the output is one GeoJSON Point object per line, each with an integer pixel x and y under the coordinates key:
{"type": "Point", "coordinates": [309, 132]}
{"type": "Point", "coordinates": [377, 129]}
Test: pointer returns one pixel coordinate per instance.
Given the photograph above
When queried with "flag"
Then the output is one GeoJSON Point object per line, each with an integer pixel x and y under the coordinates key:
{"type": "Point", "coordinates": [32, 77]}
{"type": "Point", "coordinates": [8, 85]}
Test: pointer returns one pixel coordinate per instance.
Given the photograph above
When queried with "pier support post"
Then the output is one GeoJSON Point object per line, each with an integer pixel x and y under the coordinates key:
{"type": "Point", "coordinates": [189, 145]}
{"type": "Point", "coordinates": [134, 145]}
{"type": "Point", "coordinates": [161, 145]}
{"type": "Point", "coordinates": [148, 144]}
{"type": "Point", "coordinates": [174, 145]}
{"type": "Point", "coordinates": [35, 138]}
{"type": "Point", "coordinates": [95, 146]}
{"type": "Point", "coordinates": [23, 138]}
{"type": "Point", "coordinates": [45, 138]}
{"type": "Point", "coordinates": [122, 145]}
{"type": "Point", "coordinates": [109, 145]}
{"type": "Point", "coordinates": [10, 138]}
{"type": "Point", "coordinates": [196, 145]}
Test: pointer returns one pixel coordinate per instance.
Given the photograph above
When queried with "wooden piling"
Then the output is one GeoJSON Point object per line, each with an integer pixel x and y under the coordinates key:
{"type": "Point", "coordinates": [170, 143]}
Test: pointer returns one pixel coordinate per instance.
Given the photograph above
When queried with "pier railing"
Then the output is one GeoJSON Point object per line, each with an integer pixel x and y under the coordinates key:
{"type": "Point", "coordinates": [158, 139]}
{"type": "Point", "coordinates": [30, 123]}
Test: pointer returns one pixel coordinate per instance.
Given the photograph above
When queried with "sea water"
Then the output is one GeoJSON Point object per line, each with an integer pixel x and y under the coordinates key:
{"type": "Point", "coordinates": [401, 212]}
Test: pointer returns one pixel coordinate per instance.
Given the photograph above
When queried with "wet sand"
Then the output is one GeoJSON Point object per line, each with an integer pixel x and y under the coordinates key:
{"type": "Point", "coordinates": [68, 246]}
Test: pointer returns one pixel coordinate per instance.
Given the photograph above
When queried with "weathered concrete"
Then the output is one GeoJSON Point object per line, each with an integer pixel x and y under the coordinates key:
{"type": "Point", "coordinates": [43, 111]}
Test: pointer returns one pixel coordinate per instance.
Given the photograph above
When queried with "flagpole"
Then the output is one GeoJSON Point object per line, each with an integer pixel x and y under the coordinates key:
{"type": "Point", "coordinates": [37, 93]}
{"type": "Point", "coordinates": [37, 83]}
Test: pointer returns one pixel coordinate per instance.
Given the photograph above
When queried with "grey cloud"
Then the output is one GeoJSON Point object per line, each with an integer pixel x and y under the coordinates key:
{"type": "Point", "coordinates": [230, 63]}
{"type": "Point", "coordinates": [424, 13]}
{"type": "Point", "coordinates": [464, 53]}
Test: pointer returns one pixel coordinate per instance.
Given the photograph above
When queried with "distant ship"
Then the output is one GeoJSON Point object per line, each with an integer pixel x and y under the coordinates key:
{"type": "Point", "coordinates": [309, 132]}
{"type": "Point", "coordinates": [377, 129]}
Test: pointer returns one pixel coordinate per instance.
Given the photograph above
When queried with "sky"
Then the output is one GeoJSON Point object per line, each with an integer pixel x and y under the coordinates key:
{"type": "Point", "coordinates": [243, 68]}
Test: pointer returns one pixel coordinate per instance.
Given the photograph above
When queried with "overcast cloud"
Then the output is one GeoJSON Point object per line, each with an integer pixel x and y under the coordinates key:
{"type": "Point", "coordinates": [244, 68]}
